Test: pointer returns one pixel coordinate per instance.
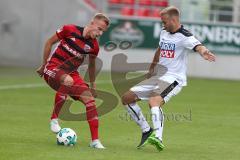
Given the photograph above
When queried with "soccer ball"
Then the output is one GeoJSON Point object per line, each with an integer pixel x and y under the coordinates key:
{"type": "Point", "coordinates": [66, 137]}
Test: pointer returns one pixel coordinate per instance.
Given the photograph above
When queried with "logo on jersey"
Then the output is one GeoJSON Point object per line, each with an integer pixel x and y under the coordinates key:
{"type": "Point", "coordinates": [87, 48]}
{"type": "Point", "coordinates": [73, 39]}
{"type": "Point", "coordinates": [167, 50]}
{"type": "Point", "coordinates": [75, 53]}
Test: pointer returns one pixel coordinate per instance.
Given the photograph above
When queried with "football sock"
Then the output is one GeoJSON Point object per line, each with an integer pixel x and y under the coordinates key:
{"type": "Point", "coordinates": [157, 119]}
{"type": "Point", "coordinates": [92, 118]}
{"type": "Point", "coordinates": [59, 101]}
{"type": "Point", "coordinates": [136, 114]}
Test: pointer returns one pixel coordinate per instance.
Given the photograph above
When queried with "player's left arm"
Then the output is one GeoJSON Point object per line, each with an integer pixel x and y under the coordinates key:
{"type": "Point", "coordinates": [154, 63]}
{"type": "Point", "coordinates": [205, 53]}
{"type": "Point", "coordinates": [92, 74]}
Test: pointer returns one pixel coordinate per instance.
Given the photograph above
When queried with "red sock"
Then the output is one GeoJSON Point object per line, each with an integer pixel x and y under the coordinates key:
{"type": "Point", "coordinates": [59, 101]}
{"type": "Point", "coordinates": [92, 117]}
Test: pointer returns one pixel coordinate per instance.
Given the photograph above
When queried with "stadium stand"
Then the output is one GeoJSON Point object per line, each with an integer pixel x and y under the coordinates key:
{"type": "Point", "coordinates": [143, 8]}
{"type": "Point", "coordinates": [127, 11]}
{"type": "Point", "coordinates": [145, 12]}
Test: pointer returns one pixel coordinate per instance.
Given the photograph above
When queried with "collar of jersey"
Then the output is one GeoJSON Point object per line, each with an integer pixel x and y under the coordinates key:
{"type": "Point", "coordinates": [179, 30]}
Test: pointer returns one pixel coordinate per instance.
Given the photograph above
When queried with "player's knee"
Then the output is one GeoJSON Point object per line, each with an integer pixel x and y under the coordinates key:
{"type": "Point", "coordinates": [156, 101]}
{"type": "Point", "coordinates": [67, 80]}
{"type": "Point", "coordinates": [128, 98]}
{"type": "Point", "coordinates": [124, 99]}
{"type": "Point", "coordinates": [86, 96]}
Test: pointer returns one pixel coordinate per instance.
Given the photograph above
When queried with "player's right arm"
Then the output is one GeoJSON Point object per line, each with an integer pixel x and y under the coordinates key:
{"type": "Point", "coordinates": [46, 52]}
{"type": "Point", "coordinates": [154, 63]}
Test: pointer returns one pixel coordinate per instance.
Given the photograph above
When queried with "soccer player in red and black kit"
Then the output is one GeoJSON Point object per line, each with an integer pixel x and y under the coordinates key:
{"type": "Point", "coordinates": [59, 69]}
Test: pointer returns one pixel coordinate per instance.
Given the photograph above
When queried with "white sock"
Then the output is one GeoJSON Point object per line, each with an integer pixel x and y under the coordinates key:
{"type": "Point", "coordinates": [136, 114]}
{"type": "Point", "coordinates": [157, 119]}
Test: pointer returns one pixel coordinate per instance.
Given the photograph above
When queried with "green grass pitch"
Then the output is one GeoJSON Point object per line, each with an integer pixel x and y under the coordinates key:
{"type": "Point", "coordinates": [202, 122]}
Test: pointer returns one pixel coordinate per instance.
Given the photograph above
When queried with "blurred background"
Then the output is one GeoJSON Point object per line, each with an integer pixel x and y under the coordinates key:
{"type": "Point", "coordinates": [26, 24]}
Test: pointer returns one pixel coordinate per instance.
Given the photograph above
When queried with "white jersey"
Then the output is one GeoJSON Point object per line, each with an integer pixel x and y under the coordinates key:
{"type": "Point", "coordinates": [173, 54]}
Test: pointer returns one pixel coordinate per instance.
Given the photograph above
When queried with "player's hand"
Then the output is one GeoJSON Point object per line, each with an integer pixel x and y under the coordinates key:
{"type": "Point", "coordinates": [40, 70]}
{"type": "Point", "coordinates": [150, 73]}
{"type": "Point", "coordinates": [209, 56]}
{"type": "Point", "coordinates": [93, 89]}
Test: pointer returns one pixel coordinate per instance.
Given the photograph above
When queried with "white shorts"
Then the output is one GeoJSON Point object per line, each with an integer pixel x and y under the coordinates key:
{"type": "Point", "coordinates": [145, 89]}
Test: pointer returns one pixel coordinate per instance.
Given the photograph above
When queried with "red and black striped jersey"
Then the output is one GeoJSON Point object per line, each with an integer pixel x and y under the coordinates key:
{"type": "Point", "coordinates": [72, 49]}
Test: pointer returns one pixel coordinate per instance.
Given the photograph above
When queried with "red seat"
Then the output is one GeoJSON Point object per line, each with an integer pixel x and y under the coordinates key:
{"type": "Point", "coordinates": [143, 12]}
{"type": "Point", "coordinates": [130, 2]}
{"type": "Point", "coordinates": [127, 11]}
{"type": "Point", "coordinates": [155, 12]}
{"type": "Point", "coordinates": [160, 3]}
{"type": "Point", "coordinates": [145, 2]}
{"type": "Point", "coordinates": [114, 1]}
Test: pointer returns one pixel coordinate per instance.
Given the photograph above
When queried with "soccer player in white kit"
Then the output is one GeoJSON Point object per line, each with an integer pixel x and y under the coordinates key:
{"type": "Point", "coordinates": [174, 43]}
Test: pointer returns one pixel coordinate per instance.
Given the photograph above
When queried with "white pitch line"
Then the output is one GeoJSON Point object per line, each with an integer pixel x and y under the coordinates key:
{"type": "Point", "coordinates": [20, 86]}
{"type": "Point", "coordinates": [35, 85]}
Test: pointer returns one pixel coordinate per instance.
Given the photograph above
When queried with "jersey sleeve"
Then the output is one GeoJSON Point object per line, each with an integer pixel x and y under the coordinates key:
{"type": "Point", "coordinates": [96, 48]}
{"type": "Point", "coordinates": [64, 31]}
{"type": "Point", "coordinates": [191, 42]}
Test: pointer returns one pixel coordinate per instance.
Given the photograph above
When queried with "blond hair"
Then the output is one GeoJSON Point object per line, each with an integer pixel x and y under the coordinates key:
{"type": "Point", "coordinates": [170, 11]}
{"type": "Point", "coordinates": [101, 16]}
